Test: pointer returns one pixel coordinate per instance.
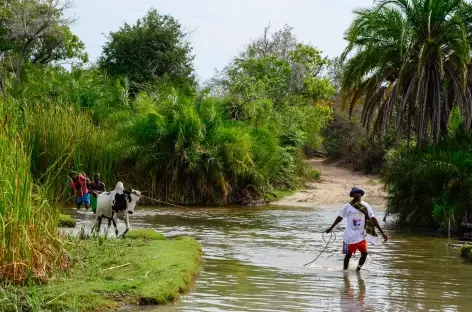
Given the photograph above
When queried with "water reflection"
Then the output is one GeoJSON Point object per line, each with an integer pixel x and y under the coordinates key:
{"type": "Point", "coordinates": [351, 300]}
{"type": "Point", "coordinates": [254, 262]}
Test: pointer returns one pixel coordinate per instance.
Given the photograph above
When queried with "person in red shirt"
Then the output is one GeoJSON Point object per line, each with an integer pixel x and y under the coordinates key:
{"type": "Point", "coordinates": [80, 186]}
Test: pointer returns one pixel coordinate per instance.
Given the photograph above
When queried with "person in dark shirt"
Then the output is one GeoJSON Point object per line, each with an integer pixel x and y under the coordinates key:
{"type": "Point", "coordinates": [95, 188]}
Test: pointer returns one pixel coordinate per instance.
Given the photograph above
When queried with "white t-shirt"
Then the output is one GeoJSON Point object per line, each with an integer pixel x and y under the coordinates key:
{"type": "Point", "coordinates": [355, 221]}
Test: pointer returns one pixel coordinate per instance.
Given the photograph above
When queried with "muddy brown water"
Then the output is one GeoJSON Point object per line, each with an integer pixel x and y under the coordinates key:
{"type": "Point", "coordinates": [254, 256]}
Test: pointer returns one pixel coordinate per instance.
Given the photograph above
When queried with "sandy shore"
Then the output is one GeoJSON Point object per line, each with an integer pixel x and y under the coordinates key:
{"type": "Point", "coordinates": [334, 186]}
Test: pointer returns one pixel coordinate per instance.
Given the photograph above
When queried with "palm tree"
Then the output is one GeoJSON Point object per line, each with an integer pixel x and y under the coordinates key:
{"type": "Point", "coordinates": [407, 63]}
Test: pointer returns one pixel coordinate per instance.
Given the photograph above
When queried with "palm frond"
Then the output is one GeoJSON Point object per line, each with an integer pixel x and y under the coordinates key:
{"type": "Point", "coordinates": [405, 53]}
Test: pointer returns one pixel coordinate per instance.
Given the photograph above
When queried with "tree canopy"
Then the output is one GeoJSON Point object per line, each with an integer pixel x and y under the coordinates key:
{"type": "Point", "coordinates": [152, 50]}
{"type": "Point", "coordinates": [280, 80]}
{"type": "Point", "coordinates": [37, 32]}
{"type": "Point", "coordinates": [408, 64]}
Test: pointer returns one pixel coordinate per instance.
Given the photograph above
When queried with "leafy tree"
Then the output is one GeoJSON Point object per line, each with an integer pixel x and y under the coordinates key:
{"type": "Point", "coordinates": [409, 65]}
{"type": "Point", "coordinates": [60, 44]}
{"type": "Point", "coordinates": [152, 50]}
{"type": "Point", "coordinates": [36, 31]}
{"type": "Point", "coordinates": [280, 82]}
{"type": "Point", "coordinates": [278, 44]}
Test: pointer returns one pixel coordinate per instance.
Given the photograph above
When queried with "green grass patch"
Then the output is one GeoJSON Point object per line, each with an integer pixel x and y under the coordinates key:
{"type": "Point", "coordinates": [65, 221]}
{"type": "Point", "coordinates": [276, 195]}
{"type": "Point", "coordinates": [282, 194]}
{"type": "Point", "coordinates": [145, 234]}
{"type": "Point", "coordinates": [372, 182]}
{"type": "Point", "coordinates": [466, 252]}
{"type": "Point", "coordinates": [315, 174]}
{"type": "Point", "coordinates": [109, 274]}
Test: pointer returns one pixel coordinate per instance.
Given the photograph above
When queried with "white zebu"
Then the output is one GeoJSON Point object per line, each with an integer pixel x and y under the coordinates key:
{"type": "Point", "coordinates": [118, 204]}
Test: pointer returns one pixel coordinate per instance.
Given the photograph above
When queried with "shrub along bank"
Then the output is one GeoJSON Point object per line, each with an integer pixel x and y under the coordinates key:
{"type": "Point", "coordinates": [65, 221]}
{"type": "Point", "coordinates": [466, 252]}
{"type": "Point", "coordinates": [106, 274]}
{"type": "Point", "coordinates": [431, 186]}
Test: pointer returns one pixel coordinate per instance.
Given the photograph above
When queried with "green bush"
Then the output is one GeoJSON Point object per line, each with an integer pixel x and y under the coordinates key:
{"type": "Point", "coordinates": [315, 174]}
{"type": "Point", "coordinates": [347, 141]}
{"type": "Point", "coordinates": [66, 221]}
{"type": "Point", "coordinates": [466, 252]}
{"type": "Point", "coordinates": [231, 143]}
{"type": "Point", "coordinates": [187, 150]}
{"type": "Point", "coordinates": [431, 186]}
{"type": "Point", "coordinates": [182, 149]}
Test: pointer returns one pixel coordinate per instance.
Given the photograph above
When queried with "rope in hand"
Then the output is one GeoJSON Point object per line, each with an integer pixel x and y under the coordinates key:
{"type": "Point", "coordinates": [327, 241]}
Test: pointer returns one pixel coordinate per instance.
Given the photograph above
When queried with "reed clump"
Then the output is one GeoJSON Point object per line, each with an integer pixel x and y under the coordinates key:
{"type": "Point", "coordinates": [30, 246]}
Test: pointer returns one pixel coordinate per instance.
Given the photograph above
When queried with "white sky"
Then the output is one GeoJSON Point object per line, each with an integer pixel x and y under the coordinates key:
{"type": "Point", "coordinates": [223, 27]}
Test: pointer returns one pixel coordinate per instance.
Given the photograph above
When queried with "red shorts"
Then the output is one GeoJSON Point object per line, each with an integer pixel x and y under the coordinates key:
{"type": "Point", "coordinates": [352, 248]}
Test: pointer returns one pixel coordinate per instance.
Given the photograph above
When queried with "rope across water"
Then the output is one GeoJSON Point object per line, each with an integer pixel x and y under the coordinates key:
{"type": "Point", "coordinates": [162, 202]}
{"type": "Point", "coordinates": [331, 239]}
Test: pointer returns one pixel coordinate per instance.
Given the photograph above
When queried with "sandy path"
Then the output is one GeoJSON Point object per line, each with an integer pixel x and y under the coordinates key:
{"type": "Point", "coordinates": [334, 186]}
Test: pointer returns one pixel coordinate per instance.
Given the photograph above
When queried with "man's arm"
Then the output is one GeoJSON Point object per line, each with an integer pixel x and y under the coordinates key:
{"type": "Point", "coordinates": [336, 222]}
{"type": "Point", "coordinates": [377, 225]}
{"type": "Point", "coordinates": [371, 216]}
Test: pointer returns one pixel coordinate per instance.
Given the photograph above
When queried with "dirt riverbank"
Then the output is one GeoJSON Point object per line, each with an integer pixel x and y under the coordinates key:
{"type": "Point", "coordinates": [334, 186]}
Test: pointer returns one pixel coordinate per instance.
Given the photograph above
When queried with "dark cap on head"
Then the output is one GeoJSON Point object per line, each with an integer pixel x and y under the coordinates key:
{"type": "Point", "coordinates": [356, 190]}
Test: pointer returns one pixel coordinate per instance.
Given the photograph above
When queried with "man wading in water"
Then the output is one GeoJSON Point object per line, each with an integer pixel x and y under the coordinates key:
{"type": "Point", "coordinates": [360, 227]}
{"type": "Point", "coordinates": [96, 187]}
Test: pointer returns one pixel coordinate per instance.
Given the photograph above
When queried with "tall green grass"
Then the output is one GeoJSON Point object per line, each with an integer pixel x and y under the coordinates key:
{"type": "Point", "coordinates": [184, 149]}
{"type": "Point", "coordinates": [181, 149]}
{"type": "Point", "coordinates": [30, 248]}
{"type": "Point", "coordinates": [64, 141]}
{"type": "Point", "coordinates": [188, 150]}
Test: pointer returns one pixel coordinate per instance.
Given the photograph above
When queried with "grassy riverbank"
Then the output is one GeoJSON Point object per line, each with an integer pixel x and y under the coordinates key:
{"type": "Point", "coordinates": [108, 274]}
{"type": "Point", "coordinates": [466, 252]}
{"type": "Point", "coordinates": [65, 221]}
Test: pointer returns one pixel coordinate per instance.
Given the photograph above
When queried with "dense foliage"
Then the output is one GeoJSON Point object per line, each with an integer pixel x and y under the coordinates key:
{"type": "Point", "coordinates": [29, 243]}
{"type": "Point", "coordinates": [182, 148]}
{"type": "Point", "coordinates": [152, 51]}
{"type": "Point", "coordinates": [408, 65]}
{"type": "Point", "coordinates": [432, 186]}
{"type": "Point", "coordinates": [406, 74]}
{"type": "Point", "coordinates": [35, 32]}
{"type": "Point", "coordinates": [345, 141]}
{"type": "Point", "coordinates": [281, 83]}
{"type": "Point", "coordinates": [137, 117]}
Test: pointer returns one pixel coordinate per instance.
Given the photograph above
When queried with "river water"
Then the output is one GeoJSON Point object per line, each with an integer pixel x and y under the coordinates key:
{"type": "Point", "coordinates": [254, 257]}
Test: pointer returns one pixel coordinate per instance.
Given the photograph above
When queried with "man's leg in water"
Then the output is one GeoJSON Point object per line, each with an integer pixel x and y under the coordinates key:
{"type": "Point", "coordinates": [363, 249]}
{"type": "Point", "coordinates": [362, 260]}
{"type": "Point", "coordinates": [346, 260]}
{"type": "Point", "coordinates": [80, 201]}
{"type": "Point", "coordinates": [86, 201]}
